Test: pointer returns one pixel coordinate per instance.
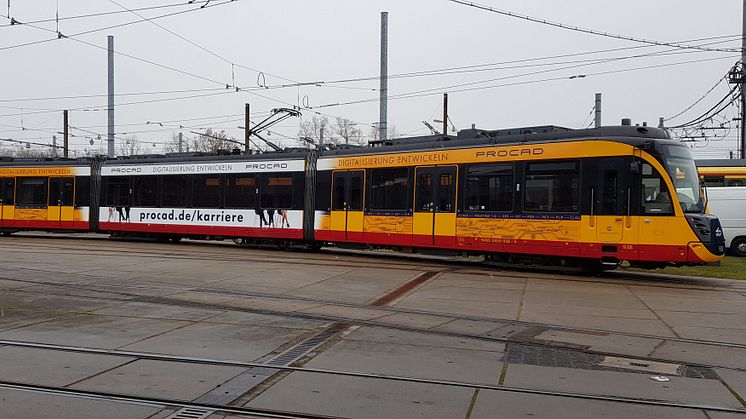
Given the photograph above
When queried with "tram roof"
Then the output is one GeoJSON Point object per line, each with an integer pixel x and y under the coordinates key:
{"type": "Point", "coordinates": [721, 162]}
{"type": "Point", "coordinates": [32, 162]}
{"type": "Point", "coordinates": [633, 135]}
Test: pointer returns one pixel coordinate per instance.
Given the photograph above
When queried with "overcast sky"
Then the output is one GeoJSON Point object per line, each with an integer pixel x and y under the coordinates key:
{"type": "Point", "coordinates": [331, 40]}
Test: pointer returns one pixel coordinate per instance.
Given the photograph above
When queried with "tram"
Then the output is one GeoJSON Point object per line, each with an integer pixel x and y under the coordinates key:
{"type": "Point", "coordinates": [539, 195]}
{"type": "Point", "coordinates": [722, 172]}
{"type": "Point", "coordinates": [45, 195]}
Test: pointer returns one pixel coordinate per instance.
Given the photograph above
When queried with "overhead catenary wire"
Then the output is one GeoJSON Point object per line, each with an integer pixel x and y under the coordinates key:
{"type": "Point", "coordinates": [486, 67]}
{"type": "Point", "coordinates": [59, 35]}
{"type": "Point", "coordinates": [431, 92]}
{"type": "Point", "coordinates": [73, 37]}
{"type": "Point", "coordinates": [719, 82]}
{"type": "Point", "coordinates": [94, 15]}
{"type": "Point", "coordinates": [214, 54]}
{"type": "Point", "coordinates": [590, 31]}
{"type": "Point", "coordinates": [712, 111]}
{"type": "Point", "coordinates": [429, 72]}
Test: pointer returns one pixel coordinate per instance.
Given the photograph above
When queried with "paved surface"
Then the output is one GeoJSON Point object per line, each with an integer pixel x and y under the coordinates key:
{"type": "Point", "coordinates": [465, 324]}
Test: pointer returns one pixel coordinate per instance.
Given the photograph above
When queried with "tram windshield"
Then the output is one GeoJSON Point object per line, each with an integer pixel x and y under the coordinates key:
{"type": "Point", "coordinates": [685, 178]}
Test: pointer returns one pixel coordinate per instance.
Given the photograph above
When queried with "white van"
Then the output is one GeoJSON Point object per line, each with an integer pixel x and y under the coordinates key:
{"type": "Point", "coordinates": [729, 205]}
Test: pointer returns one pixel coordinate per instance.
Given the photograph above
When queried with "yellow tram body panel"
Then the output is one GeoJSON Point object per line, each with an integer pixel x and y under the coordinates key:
{"type": "Point", "coordinates": [633, 234]}
{"type": "Point", "coordinates": [544, 151]}
{"type": "Point", "coordinates": [48, 214]}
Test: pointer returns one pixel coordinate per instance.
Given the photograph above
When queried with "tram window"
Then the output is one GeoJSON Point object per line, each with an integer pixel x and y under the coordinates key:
{"type": "Point", "coordinates": [552, 187]}
{"type": "Point", "coordinates": [277, 191]}
{"type": "Point", "coordinates": [356, 192]}
{"type": "Point", "coordinates": [323, 190]}
{"type": "Point", "coordinates": [9, 194]}
{"type": "Point", "coordinates": [423, 197]}
{"type": "Point", "coordinates": [489, 188]}
{"type": "Point", "coordinates": [206, 189]}
{"type": "Point", "coordinates": [67, 191]}
{"type": "Point", "coordinates": [338, 199]}
{"type": "Point", "coordinates": [82, 191]}
{"type": "Point", "coordinates": [118, 191]}
{"type": "Point", "coordinates": [240, 191]}
{"type": "Point", "coordinates": [446, 196]}
{"type": "Point", "coordinates": [146, 191]}
{"type": "Point", "coordinates": [656, 199]}
{"type": "Point", "coordinates": [610, 194]}
{"type": "Point", "coordinates": [54, 192]}
{"type": "Point", "coordinates": [714, 181]}
{"type": "Point", "coordinates": [32, 192]}
{"type": "Point", "coordinates": [389, 189]}
{"type": "Point", "coordinates": [175, 191]}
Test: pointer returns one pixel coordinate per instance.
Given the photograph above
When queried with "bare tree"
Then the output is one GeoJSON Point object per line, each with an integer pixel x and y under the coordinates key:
{"type": "Point", "coordinates": [129, 146]}
{"type": "Point", "coordinates": [347, 132]}
{"type": "Point", "coordinates": [392, 132]}
{"type": "Point", "coordinates": [25, 153]}
{"type": "Point", "coordinates": [212, 141]}
{"type": "Point", "coordinates": [312, 129]}
{"type": "Point", "coordinates": [172, 146]}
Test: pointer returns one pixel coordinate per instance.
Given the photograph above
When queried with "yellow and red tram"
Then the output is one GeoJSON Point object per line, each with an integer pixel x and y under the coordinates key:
{"type": "Point", "coordinates": [542, 195]}
{"type": "Point", "coordinates": [51, 195]}
{"type": "Point", "coordinates": [562, 195]}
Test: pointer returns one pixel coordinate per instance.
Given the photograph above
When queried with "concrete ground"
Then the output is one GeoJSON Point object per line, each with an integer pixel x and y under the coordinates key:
{"type": "Point", "coordinates": [464, 323]}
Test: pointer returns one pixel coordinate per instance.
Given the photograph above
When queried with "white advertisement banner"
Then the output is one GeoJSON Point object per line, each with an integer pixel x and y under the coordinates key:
{"type": "Point", "coordinates": [196, 168]}
{"type": "Point", "coordinates": [259, 218]}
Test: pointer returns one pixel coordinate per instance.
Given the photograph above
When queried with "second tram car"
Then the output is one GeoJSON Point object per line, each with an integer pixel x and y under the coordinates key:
{"type": "Point", "coordinates": [45, 195]}
{"type": "Point", "coordinates": [540, 195]}
{"type": "Point", "coordinates": [723, 172]}
{"type": "Point", "coordinates": [214, 196]}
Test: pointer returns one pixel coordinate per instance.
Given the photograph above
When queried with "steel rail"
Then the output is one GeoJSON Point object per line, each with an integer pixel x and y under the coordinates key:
{"type": "Point", "coordinates": [405, 328]}
{"type": "Point", "coordinates": [417, 262]}
{"type": "Point", "coordinates": [377, 376]}
{"type": "Point", "coordinates": [153, 401]}
{"type": "Point", "coordinates": [392, 309]}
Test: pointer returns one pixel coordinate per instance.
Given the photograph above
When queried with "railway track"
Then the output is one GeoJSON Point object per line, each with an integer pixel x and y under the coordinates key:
{"type": "Point", "coordinates": [503, 324]}
{"type": "Point", "coordinates": [393, 261]}
{"type": "Point", "coordinates": [154, 402]}
{"type": "Point", "coordinates": [356, 374]}
{"type": "Point", "coordinates": [90, 284]}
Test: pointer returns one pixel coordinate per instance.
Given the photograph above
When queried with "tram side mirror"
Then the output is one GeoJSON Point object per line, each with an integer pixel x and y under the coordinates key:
{"type": "Point", "coordinates": [634, 167]}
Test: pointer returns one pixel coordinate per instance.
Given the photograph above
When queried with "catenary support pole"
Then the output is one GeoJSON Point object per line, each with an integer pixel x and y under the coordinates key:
{"type": "Point", "coordinates": [445, 113]}
{"type": "Point", "coordinates": [247, 131]}
{"type": "Point", "coordinates": [382, 120]}
{"type": "Point", "coordinates": [65, 133]}
{"type": "Point", "coordinates": [110, 107]}
{"type": "Point", "coordinates": [743, 84]}
{"type": "Point", "coordinates": [598, 109]}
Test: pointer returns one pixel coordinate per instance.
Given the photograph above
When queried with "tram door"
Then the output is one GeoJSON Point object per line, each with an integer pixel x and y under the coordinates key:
{"type": "Point", "coordinates": [7, 189]}
{"type": "Point", "coordinates": [435, 206]}
{"type": "Point", "coordinates": [61, 200]}
{"type": "Point", "coordinates": [347, 204]}
{"type": "Point", "coordinates": [612, 200]}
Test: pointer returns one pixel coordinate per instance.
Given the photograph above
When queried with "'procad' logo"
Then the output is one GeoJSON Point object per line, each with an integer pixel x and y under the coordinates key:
{"type": "Point", "coordinates": [536, 151]}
